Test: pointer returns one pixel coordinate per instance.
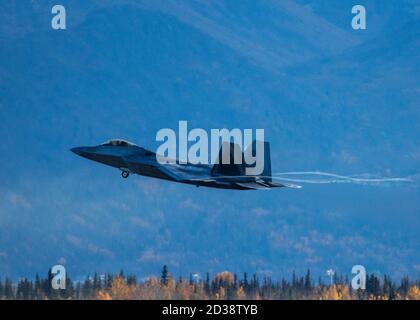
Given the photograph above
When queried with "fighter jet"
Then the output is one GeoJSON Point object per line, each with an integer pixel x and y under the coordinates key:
{"type": "Point", "coordinates": [130, 158]}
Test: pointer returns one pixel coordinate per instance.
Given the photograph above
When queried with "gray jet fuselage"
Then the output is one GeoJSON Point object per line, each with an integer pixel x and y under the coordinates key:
{"type": "Point", "coordinates": [134, 159]}
{"type": "Point", "coordinates": [130, 158]}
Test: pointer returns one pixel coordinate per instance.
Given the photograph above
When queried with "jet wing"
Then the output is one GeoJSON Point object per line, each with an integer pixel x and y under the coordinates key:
{"type": "Point", "coordinates": [181, 172]}
{"type": "Point", "coordinates": [168, 170]}
{"type": "Point", "coordinates": [141, 164]}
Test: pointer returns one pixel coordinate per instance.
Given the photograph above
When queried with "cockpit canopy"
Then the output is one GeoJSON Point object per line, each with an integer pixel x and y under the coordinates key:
{"type": "Point", "coordinates": [118, 143]}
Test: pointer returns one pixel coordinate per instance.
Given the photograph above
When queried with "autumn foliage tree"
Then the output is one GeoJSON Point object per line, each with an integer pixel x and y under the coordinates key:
{"type": "Point", "coordinates": [224, 285]}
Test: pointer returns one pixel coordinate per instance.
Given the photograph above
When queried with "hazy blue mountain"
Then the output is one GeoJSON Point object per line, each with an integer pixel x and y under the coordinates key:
{"type": "Point", "coordinates": [329, 98]}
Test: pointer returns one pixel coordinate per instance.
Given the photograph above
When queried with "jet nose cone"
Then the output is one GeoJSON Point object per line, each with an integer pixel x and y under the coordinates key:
{"type": "Point", "coordinates": [77, 150]}
{"type": "Point", "coordinates": [86, 152]}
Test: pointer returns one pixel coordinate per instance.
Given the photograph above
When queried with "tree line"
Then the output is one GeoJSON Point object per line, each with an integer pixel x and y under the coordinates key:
{"type": "Point", "coordinates": [224, 285]}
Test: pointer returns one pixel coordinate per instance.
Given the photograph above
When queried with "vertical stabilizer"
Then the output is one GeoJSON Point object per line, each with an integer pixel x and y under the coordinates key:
{"type": "Point", "coordinates": [226, 166]}
{"type": "Point", "coordinates": [252, 151]}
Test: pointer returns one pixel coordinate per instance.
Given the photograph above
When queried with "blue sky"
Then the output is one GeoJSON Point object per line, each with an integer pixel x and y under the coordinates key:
{"type": "Point", "coordinates": [329, 98]}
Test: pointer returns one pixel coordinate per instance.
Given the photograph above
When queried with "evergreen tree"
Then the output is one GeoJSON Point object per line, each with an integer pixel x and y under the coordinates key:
{"type": "Point", "coordinates": [335, 278]}
{"type": "Point", "coordinates": [132, 280]}
{"type": "Point", "coordinates": [294, 279]}
{"type": "Point", "coordinates": [405, 285]}
{"type": "Point", "coordinates": [320, 283]}
{"type": "Point", "coordinates": [95, 283]}
{"type": "Point", "coordinates": [245, 281]}
{"type": "Point", "coordinates": [373, 285]}
{"type": "Point", "coordinates": [46, 285]}
{"type": "Point", "coordinates": [109, 280]}
{"type": "Point", "coordinates": [165, 275]}
{"type": "Point", "coordinates": [78, 291]}
{"type": "Point", "coordinates": [308, 281]}
{"type": "Point", "coordinates": [207, 284]}
{"type": "Point", "coordinates": [37, 288]}
{"type": "Point", "coordinates": [1, 290]}
{"type": "Point", "coordinates": [255, 284]}
{"type": "Point", "coordinates": [87, 288]}
{"type": "Point", "coordinates": [8, 289]}
{"type": "Point", "coordinates": [24, 289]}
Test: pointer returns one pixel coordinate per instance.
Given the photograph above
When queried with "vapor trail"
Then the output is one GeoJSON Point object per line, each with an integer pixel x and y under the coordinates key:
{"type": "Point", "coordinates": [320, 177]}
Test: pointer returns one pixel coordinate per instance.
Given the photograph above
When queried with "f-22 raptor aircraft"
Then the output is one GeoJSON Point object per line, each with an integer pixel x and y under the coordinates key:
{"type": "Point", "coordinates": [130, 158]}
